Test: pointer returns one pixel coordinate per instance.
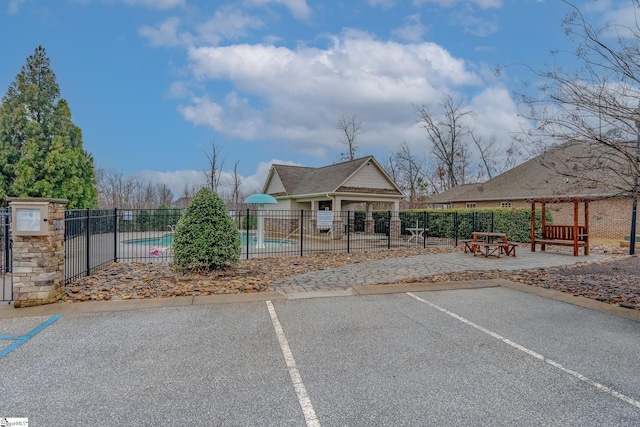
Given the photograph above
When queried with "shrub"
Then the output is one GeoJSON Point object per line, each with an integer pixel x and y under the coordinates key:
{"type": "Point", "coordinates": [206, 237]}
{"type": "Point", "coordinates": [250, 222]}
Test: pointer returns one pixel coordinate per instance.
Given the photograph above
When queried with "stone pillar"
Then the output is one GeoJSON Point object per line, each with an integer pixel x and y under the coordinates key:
{"type": "Point", "coordinates": [369, 223]}
{"type": "Point", "coordinates": [369, 226]}
{"type": "Point", "coordinates": [38, 260]}
{"type": "Point", "coordinates": [337, 229]}
{"type": "Point", "coordinates": [395, 225]}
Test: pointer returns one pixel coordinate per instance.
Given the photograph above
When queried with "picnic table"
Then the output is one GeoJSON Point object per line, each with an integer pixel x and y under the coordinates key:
{"type": "Point", "coordinates": [490, 244]}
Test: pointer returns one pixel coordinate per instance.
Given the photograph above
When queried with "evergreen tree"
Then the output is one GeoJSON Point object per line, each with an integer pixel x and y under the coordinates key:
{"type": "Point", "coordinates": [41, 152]}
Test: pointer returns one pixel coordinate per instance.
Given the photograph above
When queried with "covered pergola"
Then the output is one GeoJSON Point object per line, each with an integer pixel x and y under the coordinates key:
{"type": "Point", "coordinates": [575, 235]}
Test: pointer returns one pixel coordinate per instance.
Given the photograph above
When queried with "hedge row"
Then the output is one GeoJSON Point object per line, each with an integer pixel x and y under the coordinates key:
{"type": "Point", "coordinates": [461, 223]}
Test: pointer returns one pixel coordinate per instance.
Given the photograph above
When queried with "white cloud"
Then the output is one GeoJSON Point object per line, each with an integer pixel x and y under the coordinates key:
{"type": "Point", "coordinates": [227, 23]}
{"type": "Point", "coordinates": [413, 30]}
{"type": "Point", "coordinates": [178, 180]}
{"type": "Point", "coordinates": [203, 111]}
{"type": "Point", "coordinates": [156, 4]}
{"type": "Point", "coordinates": [303, 91]}
{"type": "Point", "coordinates": [484, 4]}
{"type": "Point", "coordinates": [298, 8]}
{"type": "Point", "coordinates": [166, 34]}
{"type": "Point", "coordinates": [14, 6]}
{"type": "Point", "coordinates": [474, 24]}
{"type": "Point", "coordinates": [496, 112]}
{"type": "Point", "coordinates": [175, 180]}
{"type": "Point", "coordinates": [620, 20]}
{"type": "Point", "coordinates": [382, 3]}
{"type": "Point", "coordinates": [179, 90]}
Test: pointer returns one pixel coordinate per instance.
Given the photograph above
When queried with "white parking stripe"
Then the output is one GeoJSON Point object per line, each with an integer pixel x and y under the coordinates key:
{"type": "Point", "coordinates": [551, 362]}
{"type": "Point", "coordinates": [305, 403]}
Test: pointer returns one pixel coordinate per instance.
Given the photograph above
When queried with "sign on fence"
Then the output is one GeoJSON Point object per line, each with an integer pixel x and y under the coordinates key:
{"type": "Point", "coordinates": [325, 219]}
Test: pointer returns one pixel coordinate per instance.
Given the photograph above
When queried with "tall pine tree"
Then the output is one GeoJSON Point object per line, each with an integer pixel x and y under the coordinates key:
{"type": "Point", "coordinates": [41, 152]}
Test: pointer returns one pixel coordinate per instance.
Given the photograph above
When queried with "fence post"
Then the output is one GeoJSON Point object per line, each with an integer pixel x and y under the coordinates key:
{"type": "Point", "coordinates": [301, 231]}
{"type": "Point", "coordinates": [425, 231]}
{"type": "Point", "coordinates": [6, 231]}
{"type": "Point", "coordinates": [246, 236]}
{"type": "Point", "coordinates": [455, 227]}
{"type": "Point", "coordinates": [348, 233]}
{"type": "Point", "coordinates": [115, 234]}
{"type": "Point", "coordinates": [389, 230]}
{"type": "Point", "coordinates": [88, 241]}
{"type": "Point", "coordinates": [473, 221]}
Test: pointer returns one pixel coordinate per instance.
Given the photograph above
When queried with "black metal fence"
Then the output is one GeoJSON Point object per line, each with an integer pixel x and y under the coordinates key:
{"type": "Point", "coordinates": [6, 256]}
{"type": "Point", "coordinates": [96, 237]}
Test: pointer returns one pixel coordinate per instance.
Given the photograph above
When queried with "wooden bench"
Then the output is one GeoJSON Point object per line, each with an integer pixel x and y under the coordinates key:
{"type": "Point", "coordinates": [507, 249]}
{"type": "Point", "coordinates": [495, 248]}
{"type": "Point", "coordinates": [563, 235]}
{"type": "Point", "coordinates": [510, 248]}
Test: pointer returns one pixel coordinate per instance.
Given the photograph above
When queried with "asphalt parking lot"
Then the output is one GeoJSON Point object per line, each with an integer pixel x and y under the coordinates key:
{"type": "Point", "coordinates": [490, 356]}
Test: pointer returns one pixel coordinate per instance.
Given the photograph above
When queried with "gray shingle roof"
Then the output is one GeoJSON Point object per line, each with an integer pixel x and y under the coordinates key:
{"type": "Point", "coordinates": [299, 180]}
{"type": "Point", "coordinates": [451, 194]}
{"type": "Point", "coordinates": [585, 174]}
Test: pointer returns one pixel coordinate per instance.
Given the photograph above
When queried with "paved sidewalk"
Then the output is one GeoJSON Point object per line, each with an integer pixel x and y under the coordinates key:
{"type": "Point", "coordinates": [394, 270]}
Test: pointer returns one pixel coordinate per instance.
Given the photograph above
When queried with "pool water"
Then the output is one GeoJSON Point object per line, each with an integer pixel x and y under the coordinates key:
{"type": "Point", "coordinates": [167, 240]}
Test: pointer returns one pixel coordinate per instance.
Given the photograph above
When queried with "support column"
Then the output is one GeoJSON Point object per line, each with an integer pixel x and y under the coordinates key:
{"type": "Point", "coordinates": [395, 225]}
{"type": "Point", "coordinates": [369, 225]}
{"type": "Point", "coordinates": [533, 226]}
{"type": "Point", "coordinates": [38, 250]}
{"type": "Point", "coordinates": [586, 226]}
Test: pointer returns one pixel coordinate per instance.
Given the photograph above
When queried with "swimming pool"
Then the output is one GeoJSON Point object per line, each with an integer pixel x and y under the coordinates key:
{"type": "Point", "coordinates": [167, 241]}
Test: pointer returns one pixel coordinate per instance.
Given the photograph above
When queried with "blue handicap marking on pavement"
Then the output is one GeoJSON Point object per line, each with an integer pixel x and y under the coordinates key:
{"type": "Point", "coordinates": [21, 339]}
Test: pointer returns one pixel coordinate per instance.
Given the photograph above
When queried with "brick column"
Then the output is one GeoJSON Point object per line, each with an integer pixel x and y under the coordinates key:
{"type": "Point", "coordinates": [38, 261]}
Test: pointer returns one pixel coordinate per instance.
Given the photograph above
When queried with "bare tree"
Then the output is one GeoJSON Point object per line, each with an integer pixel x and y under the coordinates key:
{"type": "Point", "coordinates": [236, 186]}
{"type": "Point", "coordinates": [116, 190]}
{"type": "Point", "coordinates": [493, 158]}
{"type": "Point", "coordinates": [390, 166]}
{"type": "Point", "coordinates": [411, 173]}
{"type": "Point", "coordinates": [214, 171]}
{"type": "Point", "coordinates": [591, 111]}
{"type": "Point", "coordinates": [350, 126]}
{"type": "Point", "coordinates": [164, 196]}
{"type": "Point", "coordinates": [448, 134]}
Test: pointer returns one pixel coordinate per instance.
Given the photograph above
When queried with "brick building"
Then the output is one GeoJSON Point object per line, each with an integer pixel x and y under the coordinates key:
{"type": "Point", "coordinates": [565, 172]}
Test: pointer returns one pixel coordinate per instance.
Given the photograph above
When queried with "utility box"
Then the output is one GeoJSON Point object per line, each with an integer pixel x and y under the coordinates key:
{"type": "Point", "coordinates": [30, 218]}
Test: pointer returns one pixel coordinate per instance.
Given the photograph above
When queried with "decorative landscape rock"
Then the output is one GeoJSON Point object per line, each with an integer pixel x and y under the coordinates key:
{"type": "Point", "coordinates": [613, 281]}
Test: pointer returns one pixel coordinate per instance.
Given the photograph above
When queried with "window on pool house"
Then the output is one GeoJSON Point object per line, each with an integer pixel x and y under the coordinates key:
{"type": "Point", "coordinates": [506, 204]}
{"type": "Point", "coordinates": [470, 205]}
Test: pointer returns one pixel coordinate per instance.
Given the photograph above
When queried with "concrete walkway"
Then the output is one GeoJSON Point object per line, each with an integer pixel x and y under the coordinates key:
{"type": "Point", "coordinates": [394, 270]}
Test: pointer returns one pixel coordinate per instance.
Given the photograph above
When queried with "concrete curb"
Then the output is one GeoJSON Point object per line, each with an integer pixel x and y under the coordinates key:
{"type": "Point", "coordinates": [129, 305]}
{"type": "Point", "coordinates": [9, 312]}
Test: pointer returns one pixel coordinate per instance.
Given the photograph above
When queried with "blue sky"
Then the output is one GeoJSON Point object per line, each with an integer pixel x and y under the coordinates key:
{"type": "Point", "coordinates": [152, 83]}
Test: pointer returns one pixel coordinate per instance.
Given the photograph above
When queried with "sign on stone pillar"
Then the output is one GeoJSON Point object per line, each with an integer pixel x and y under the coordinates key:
{"type": "Point", "coordinates": [37, 230]}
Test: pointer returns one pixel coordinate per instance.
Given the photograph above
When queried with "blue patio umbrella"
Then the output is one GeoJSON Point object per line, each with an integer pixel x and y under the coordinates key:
{"type": "Point", "coordinates": [260, 200]}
